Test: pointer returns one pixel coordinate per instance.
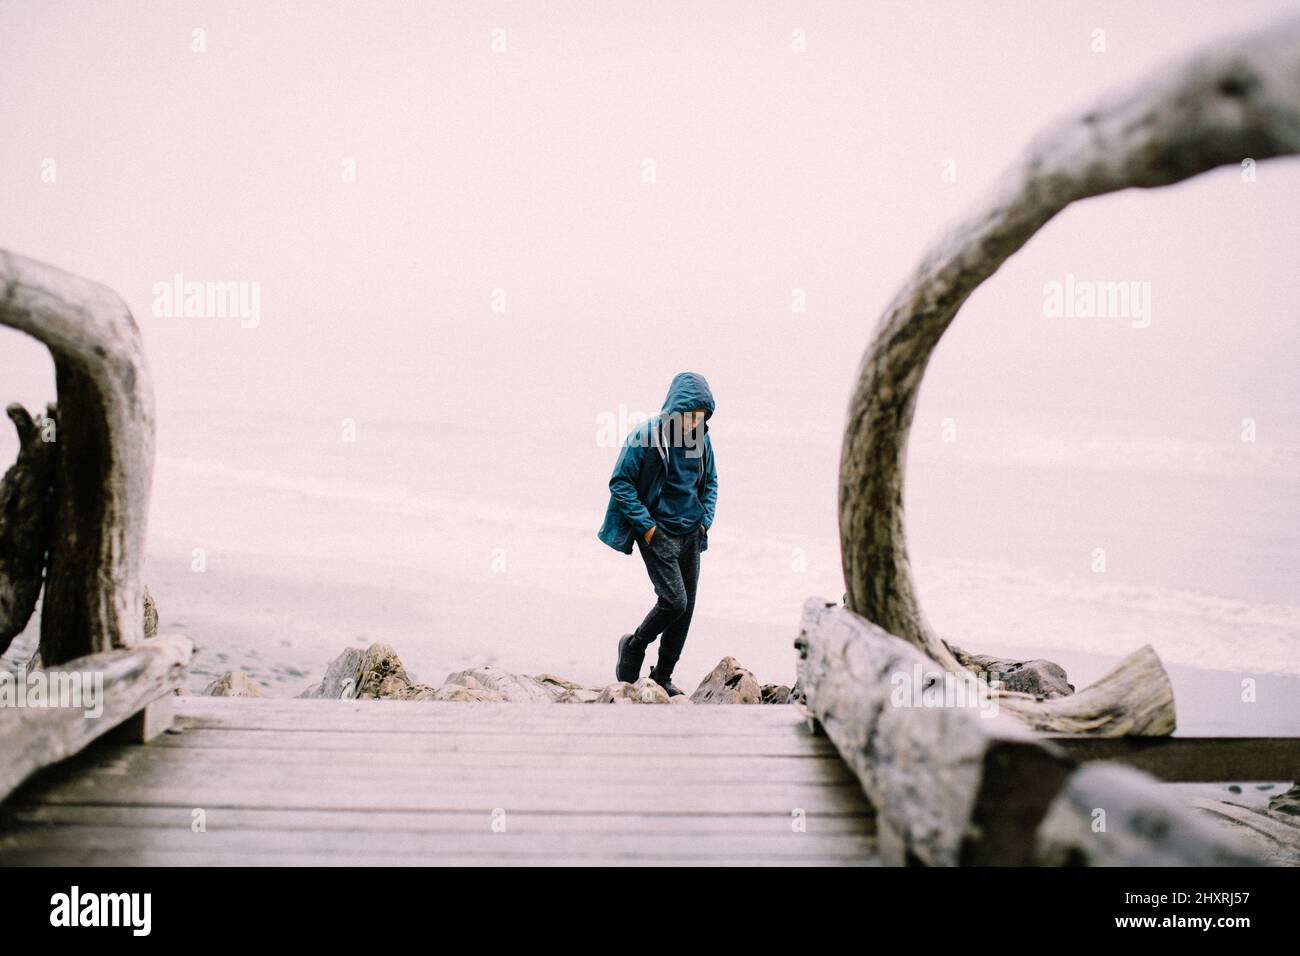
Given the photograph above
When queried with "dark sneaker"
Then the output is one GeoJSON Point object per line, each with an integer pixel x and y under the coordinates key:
{"type": "Point", "coordinates": [667, 684]}
{"type": "Point", "coordinates": [630, 658]}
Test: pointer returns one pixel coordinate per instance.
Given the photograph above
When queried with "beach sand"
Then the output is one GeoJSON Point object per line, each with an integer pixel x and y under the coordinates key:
{"type": "Point", "coordinates": [282, 621]}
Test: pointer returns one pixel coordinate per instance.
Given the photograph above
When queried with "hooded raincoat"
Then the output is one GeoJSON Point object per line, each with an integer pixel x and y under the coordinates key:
{"type": "Point", "coordinates": [638, 478]}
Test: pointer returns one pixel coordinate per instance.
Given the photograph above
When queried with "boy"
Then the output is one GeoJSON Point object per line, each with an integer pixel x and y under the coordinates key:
{"type": "Point", "coordinates": [662, 496]}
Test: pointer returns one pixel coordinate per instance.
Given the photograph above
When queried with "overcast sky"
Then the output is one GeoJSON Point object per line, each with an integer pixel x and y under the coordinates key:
{"type": "Point", "coordinates": [522, 170]}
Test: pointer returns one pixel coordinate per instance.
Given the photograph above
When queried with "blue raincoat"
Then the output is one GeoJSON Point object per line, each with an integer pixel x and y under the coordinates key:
{"type": "Point", "coordinates": [638, 477]}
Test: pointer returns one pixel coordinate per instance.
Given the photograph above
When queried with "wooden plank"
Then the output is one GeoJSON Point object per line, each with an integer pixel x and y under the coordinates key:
{"type": "Point", "coordinates": [777, 744]}
{"type": "Point", "coordinates": [125, 760]}
{"type": "Point", "coordinates": [81, 857]}
{"type": "Point", "coordinates": [1194, 759]}
{"type": "Point", "coordinates": [200, 703]}
{"type": "Point", "coordinates": [421, 781]}
{"type": "Point", "coordinates": [354, 821]}
{"type": "Point", "coordinates": [779, 843]}
{"type": "Point", "coordinates": [150, 723]}
{"type": "Point", "coordinates": [411, 716]}
{"type": "Point", "coordinates": [32, 737]}
{"type": "Point", "coordinates": [427, 793]}
{"type": "Point", "coordinates": [200, 778]}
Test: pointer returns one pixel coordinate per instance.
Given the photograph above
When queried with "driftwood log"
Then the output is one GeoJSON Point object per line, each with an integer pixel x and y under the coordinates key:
{"type": "Point", "coordinates": [956, 782]}
{"type": "Point", "coordinates": [1275, 835]}
{"type": "Point", "coordinates": [26, 511]}
{"type": "Point", "coordinates": [1236, 101]}
{"type": "Point", "coordinates": [36, 736]}
{"type": "Point", "coordinates": [949, 786]}
{"type": "Point", "coordinates": [1110, 815]}
{"type": "Point", "coordinates": [103, 462]}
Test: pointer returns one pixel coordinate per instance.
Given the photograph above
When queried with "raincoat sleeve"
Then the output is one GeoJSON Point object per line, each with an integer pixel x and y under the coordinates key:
{"type": "Point", "coordinates": [622, 485]}
{"type": "Point", "coordinates": [710, 488]}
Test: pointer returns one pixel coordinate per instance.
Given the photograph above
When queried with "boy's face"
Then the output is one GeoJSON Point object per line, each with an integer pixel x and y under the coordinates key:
{"type": "Point", "coordinates": [682, 430]}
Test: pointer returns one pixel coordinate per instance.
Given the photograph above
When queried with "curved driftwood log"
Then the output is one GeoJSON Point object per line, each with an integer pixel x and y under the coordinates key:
{"type": "Point", "coordinates": [1223, 105]}
{"type": "Point", "coordinates": [103, 464]}
{"type": "Point", "coordinates": [954, 780]}
{"type": "Point", "coordinates": [26, 509]}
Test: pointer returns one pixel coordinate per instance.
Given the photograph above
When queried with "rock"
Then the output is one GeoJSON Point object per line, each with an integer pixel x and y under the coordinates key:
{"type": "Point", "coordinates": [728, 683]}
{"type": "Point", "coordinates": [377, 673]}
{"type": "Point", "coordinates": [644, 691]}
{"type": "Point", "coordinates": [775, 694]}
{"type": "Point", "coordinates": [514, 688]}
{"type": "Point", "coordinates": [580, 695]}
{"type": "Point", "coordinates": [569, 692]}
{"type": "Point", "coordinates": [469, 692]}
{"type": "Point", "coordinates": [1043, 679]}
{"type": "Point", "coordinates": [233, 684]}
{"type": "Point", "coordinates": [373, 674]}
{"type": "Point", "coordinates": [341, 677]}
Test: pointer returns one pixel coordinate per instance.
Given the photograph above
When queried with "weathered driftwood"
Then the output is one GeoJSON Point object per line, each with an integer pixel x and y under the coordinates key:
{"type": "Point", "coordinates": [1110, 815]}
{"type": "Point", "coordinates": [950, 785]}
{"type": "Point", "coordinates": [26, 510]}
{"type": "Point", "coordinates": [36, 736]}
{"type": "Point", "coordinates": [1136, 698]}
{"type": "Point", "coordinates": [1274, 836]}
{"type": "Point", "coordinates": [104, 459]}
{"type": "Point", "coordinates": [953, 785]}
{"type": "Point", "coordinates": [1238, 100]}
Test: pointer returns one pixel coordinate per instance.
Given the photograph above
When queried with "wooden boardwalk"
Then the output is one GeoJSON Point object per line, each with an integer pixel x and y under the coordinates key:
{"type": "Point", "coordinates": [388, 782]}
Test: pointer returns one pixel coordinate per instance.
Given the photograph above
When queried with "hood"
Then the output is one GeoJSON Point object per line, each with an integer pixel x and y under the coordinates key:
{"type": "Point", "coordinates": [688, 391]}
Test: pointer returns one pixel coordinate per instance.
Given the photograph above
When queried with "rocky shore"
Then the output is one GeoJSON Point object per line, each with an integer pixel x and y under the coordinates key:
{"type": "Point", "coordinates": [377, 673]}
